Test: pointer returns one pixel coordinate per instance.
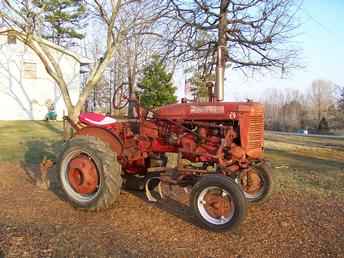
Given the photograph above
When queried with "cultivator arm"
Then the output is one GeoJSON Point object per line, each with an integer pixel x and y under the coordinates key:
{"type": "Point", "coordinates": [149, 188]}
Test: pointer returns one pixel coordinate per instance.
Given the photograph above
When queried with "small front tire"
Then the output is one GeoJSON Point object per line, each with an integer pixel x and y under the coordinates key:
{"type": "Point", "coordinates": [218, 203]}
{"type": "Point", "coordinates": [256, 183]}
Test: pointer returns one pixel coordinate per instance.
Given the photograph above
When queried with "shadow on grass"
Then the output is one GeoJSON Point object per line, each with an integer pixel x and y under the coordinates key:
{"type": "Point", "coordinates": [51, 126]}
{"type": "Point", "coordinates": [305, 161]}
{"type": "Point", "coordinates": [309, 172]}
{"type": "Point", "coordinates": [36, 152]}
{"type": "Point", "coordinates": [332, 144]}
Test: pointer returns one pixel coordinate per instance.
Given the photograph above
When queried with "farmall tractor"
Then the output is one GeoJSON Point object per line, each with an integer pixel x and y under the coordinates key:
{"type": "Point", "coordinates": [219, 146]}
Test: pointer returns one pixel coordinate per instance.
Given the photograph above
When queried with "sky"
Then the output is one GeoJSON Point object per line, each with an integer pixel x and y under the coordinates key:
{"type": "Point", "coordinates": [321, 39]}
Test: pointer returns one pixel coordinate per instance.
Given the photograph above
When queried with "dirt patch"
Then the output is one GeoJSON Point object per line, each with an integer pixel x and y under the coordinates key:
{"type": "Point", "coordinates": [39, 223]}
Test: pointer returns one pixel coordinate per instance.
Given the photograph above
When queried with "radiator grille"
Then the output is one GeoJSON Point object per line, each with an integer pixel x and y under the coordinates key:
{"type": "Point", "coordinates": [256, 131]}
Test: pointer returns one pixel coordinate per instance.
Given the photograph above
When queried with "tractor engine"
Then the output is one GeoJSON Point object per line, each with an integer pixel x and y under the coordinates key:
{"type": "Point", "coordinates": [226, 134]}
{"type": "Point", "coordinates": [208, 144]}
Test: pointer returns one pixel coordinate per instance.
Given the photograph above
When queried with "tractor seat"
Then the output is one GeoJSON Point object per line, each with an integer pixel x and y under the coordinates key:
{"type": "Point", "coordinates": [96, 119]}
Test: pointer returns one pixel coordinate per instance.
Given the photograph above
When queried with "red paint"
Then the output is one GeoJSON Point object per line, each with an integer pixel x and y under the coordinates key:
{"type": "Point", "coordinates": [165, 132]}
{"type": "Point", "coordinates": [83, 175]}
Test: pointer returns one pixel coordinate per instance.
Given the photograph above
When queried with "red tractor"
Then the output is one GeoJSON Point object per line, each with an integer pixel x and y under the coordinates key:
{"type": "Point", "coordinates": [219, 147]}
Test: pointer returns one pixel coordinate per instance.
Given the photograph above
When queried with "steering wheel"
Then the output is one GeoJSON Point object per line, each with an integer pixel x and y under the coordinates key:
{"type": "Point", "coordinates": [121, 96]}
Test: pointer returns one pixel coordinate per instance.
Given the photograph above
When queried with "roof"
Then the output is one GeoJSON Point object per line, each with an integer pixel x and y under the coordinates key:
{"type": "Point", "coordinates": [81, 59]}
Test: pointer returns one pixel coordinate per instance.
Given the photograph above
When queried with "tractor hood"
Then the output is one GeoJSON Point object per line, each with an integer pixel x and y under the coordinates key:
{"type": "Point", "coordinates": [209, 111]}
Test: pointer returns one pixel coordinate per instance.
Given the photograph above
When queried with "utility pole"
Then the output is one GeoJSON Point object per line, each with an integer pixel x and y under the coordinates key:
{"type": "Point", "coordinates": [221, 51]}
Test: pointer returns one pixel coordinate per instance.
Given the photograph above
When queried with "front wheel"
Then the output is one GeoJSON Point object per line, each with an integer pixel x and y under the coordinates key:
{"type": "Point", "coordinates": [218, 202]}
{"type": "Point", "coordinates": [256, 183]}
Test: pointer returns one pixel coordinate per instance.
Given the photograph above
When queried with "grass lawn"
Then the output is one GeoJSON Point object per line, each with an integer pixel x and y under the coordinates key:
{"type": "Point", "coordinates": [312, 164]}
{"type": "Point", "coordinates": [29, 141]}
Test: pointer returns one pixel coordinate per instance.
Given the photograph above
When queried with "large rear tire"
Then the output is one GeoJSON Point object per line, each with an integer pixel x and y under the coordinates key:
{"type": "Point", "coordinates": [90, 173]}
{"type": "Point", "coordinates": [218, 203]}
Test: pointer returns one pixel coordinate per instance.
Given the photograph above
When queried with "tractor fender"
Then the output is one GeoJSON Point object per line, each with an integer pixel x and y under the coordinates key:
{"type": "Point", "coordinates": [106, 136]}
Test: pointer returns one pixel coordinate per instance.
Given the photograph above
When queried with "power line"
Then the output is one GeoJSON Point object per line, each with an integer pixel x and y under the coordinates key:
{"type": "Point", "coordinates": [325, 28]}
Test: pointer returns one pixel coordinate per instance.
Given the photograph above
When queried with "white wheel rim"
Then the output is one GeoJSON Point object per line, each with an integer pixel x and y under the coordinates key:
{"type": "Point", "coordinates": [201, 205]}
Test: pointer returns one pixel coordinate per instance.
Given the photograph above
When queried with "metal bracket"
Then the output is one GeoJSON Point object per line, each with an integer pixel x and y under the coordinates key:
{"type": "Point", "coordinates": [149, 195]}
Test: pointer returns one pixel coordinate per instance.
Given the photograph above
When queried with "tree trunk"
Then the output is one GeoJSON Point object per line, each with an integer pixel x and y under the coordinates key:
{"type": "Point", "coordinates": [222, 43]}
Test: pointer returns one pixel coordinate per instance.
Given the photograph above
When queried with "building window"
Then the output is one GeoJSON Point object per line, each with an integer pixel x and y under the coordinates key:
{"type": "Point", "coordinates": [29, 70]}
{"type": "Point", "coordinates": [11, 37]}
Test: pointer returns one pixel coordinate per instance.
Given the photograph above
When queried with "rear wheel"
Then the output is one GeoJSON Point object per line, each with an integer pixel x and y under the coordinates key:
{"type": "Point", "coordinates": [90, 174]}
{"type": "Point", "coordinates": [256, 183]}
{"type": "Point", "coordinates": [218, 202]}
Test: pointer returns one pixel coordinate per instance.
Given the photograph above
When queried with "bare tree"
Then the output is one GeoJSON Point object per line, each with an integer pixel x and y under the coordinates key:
{"type": "Point", "coordinates": [25, 19]}
{"type": "Point", "coordinates": [140, 43]}
{"type": "Point", "coordinates": [273, 101]}
{"type": "Point", "coordinates": [255, 33]}
{"type": "Point", "coordinates": [291, 109]}
{"type": "Point", "coordinates": [285, 110]}
{"type": "Point", "coordinates": [321, 98]}
{"type": "Point", "coordinates": [294, 110]}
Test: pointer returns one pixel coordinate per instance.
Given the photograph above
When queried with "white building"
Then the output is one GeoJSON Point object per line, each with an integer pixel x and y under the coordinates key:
{"type": "Point", "coordinates": [26, 87]}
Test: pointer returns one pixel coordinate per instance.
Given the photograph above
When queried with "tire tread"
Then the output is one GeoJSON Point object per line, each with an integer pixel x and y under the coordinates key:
{"type": "Point", "coordinates": [111, 169]}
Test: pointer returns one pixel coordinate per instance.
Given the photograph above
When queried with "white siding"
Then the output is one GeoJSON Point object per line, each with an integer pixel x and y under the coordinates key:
{"type": "Point", "coordinates": [24, 99]}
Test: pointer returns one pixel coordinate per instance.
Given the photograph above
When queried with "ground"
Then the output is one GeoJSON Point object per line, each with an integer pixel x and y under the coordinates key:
{"type": "Point", "coordinates": [303, 218]}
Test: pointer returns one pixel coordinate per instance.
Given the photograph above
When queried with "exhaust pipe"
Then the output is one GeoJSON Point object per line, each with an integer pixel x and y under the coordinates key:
{"type": "Point", "coordinates": [220, 74]}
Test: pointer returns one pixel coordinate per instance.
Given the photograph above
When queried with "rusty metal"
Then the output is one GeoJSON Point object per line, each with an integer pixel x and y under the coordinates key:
{"type": "Point", "coordinates": [195, 153]}
{"type": "Point", "coordinates": [193, 171]}
{"type": "Point", "coordinates": [251, 181]}
{"type": "Point", "coordinates": [83, 175]}
{"type": "Point", "coordinates": [217, 205]}
{"type": "Point", "coordinates": [207, 125]}
{"type": "Point", "coordinates": [104, 135]}
{"type": "Point", "coordinates": [192, 136]}
{"type": "Point", "coordinates": [213, 133]}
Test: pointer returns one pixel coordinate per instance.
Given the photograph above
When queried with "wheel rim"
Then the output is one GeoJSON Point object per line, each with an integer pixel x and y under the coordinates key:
{"type": "Point", "coordinates": [80, 176]}
{"type": "Point", "coordinates": [252, 184]}
{"type": "Point", "coordinates": [216, 205]}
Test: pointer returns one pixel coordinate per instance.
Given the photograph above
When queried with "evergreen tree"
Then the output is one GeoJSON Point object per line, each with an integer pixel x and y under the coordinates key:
{"type": "Point", "coordinates": [323, 125]}
{"type": "Point", "coordinates": [156, 88]}
{"type": "Point", "coordinates": [199, 85]}
{"type": "Point", "coordinates": [62, 19]}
